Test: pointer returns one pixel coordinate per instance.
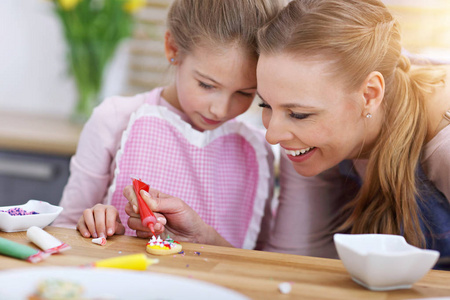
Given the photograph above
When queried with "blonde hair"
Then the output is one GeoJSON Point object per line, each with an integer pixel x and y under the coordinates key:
{"type": "Point", "coordinates": [219, 23]}
{"type": "Point", "coordinates": [361, 36]}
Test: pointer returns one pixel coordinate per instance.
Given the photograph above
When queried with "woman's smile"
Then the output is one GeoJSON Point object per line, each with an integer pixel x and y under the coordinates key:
{"type": "Point", "coordinates": [300, 155]}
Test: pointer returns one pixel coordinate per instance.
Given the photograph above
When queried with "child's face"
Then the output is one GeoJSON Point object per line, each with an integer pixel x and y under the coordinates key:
{"type": "Point", "coordinates": [307, 109]}
{"type": "Point", "coordinates": [214, 87]}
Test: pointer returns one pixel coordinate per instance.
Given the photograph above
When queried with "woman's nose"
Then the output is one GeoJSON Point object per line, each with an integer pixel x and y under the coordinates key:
{"type": "Point", "coordinates": [277, 132]}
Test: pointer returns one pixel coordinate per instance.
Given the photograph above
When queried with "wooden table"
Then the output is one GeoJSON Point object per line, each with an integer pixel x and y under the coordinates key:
{"type": "Point", "coordinates": [255, 274]}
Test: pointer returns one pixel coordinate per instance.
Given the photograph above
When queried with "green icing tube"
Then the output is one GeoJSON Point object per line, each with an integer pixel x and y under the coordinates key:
{"type": "Point", "coordinates": [20, 251]}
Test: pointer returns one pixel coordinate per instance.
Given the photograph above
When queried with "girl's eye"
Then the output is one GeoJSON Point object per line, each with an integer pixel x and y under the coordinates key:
{"type": "Point", "coordinates": [298, 116]}
{"type": "Point", "coordinates": [205, 86]}
{"type": "Point", "coordinates": [264, 105]}
{"type": "Point", "coordinates": [246, 94]}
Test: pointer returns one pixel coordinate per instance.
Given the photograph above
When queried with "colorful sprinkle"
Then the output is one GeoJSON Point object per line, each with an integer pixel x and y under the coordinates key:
{"type": "Point", "coordinates": [17, 211]}
{"type": "Point", "coordinates": [198, 253]}
{"type": "Point", "coordinates": [181, 252]}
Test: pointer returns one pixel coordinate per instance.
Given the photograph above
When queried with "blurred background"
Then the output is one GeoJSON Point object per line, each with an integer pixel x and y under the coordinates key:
{"type": "Point", "coordinates": [38, 96]}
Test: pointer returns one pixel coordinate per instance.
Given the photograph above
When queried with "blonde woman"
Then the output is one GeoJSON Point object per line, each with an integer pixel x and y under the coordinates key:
{"type": "Point", "coordinates": [365, 135]}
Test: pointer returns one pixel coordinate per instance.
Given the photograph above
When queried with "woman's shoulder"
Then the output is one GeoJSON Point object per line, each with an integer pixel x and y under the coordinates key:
{"type": "Point", "coordinates": [437, 103]}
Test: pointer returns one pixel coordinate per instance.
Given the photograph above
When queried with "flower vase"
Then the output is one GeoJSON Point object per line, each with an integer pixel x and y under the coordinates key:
{"type": "Point", "coordinates": [84, 106]}
{"type": "Point", "coordinates": [87, 73]}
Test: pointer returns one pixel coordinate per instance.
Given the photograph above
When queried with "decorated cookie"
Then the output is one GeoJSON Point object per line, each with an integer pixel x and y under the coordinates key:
{"type": "Point", "coordinates": [157, 246]}
{"type": "Point", "coordinates": [53, 289]}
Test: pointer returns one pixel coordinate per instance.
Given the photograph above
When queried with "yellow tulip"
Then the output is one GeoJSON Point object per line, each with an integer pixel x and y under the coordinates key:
{"type": "Point", "coordinates": [68, 4]}
{"type": "Point", "coordinates": [133, 5]}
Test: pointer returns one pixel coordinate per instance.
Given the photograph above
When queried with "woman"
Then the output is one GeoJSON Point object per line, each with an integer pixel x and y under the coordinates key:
{"type": "Point", "coordinates": [365, 132]}
{"type": "Point", "coordinates": [358, 123]}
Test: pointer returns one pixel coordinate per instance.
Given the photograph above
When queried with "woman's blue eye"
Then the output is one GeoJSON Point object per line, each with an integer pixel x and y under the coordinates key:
{"type": "Point", "coordinates": [298, 116]}
{"type": "Point", "coordinates": [205, 86]}
{"type": "Point", "coordinates": [264, 105]}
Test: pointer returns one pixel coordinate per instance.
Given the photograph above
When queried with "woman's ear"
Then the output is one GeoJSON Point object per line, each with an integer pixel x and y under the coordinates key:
{"type": "Point", "coordinates": [170, 48]}
{"type": "Point", "coordinates": [373, 92]}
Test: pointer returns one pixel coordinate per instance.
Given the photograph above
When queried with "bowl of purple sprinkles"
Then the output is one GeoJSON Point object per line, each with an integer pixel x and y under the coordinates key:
{"type": "Point", "coordinates": [33, 213]}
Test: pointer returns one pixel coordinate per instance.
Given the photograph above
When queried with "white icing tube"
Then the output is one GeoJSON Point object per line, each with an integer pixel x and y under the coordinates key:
{"type": "Point", "coordinates": [99, 241]}
{"type": "Point", "coordinates": [45, 240]}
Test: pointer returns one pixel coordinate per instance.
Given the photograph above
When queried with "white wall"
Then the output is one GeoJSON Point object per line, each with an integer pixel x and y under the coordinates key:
{"type": "Point", "coordinates": [33, 72]}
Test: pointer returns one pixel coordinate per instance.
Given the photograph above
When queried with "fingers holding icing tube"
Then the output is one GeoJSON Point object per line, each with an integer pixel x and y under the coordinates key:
{"type": "Point", "coordinates": [128, 192]}
{"type": "Point", "coordinates": [132, 209]}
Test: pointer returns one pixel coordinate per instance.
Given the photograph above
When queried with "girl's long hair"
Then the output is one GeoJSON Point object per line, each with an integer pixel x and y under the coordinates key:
{"type": "Point", "coordinates": [218, 23]}
{"type": "Point", "coordinates": [361, 36]}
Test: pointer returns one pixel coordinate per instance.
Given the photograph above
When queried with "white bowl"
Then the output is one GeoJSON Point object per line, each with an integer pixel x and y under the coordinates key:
{"type": "Point", "coordinates": [382, 262]}
{"type": "Point", "coordinates": [47, 213]}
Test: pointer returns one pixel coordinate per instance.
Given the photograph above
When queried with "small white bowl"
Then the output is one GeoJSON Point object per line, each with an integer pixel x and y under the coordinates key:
{"type": "Point", "coordinates": [47, 213]}
{"type": "Point", "coordinates": [382, 262]}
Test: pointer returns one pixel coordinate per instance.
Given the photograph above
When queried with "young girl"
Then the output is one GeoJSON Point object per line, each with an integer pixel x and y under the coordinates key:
{"type": "Point", "coordinates": [182, 139]}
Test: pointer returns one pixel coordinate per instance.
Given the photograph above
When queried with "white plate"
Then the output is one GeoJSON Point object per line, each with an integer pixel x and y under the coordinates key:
{"type": "Point", "coordinates": [47, 214]}
{"type": "Point", "coordinates": [113, 284]}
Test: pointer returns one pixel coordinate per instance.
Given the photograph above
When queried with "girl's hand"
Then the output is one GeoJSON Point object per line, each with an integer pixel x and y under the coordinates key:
{"type": "Point", "coordinates": [174, 217]}
{"type": "Point", "coordinates": [100, 221]}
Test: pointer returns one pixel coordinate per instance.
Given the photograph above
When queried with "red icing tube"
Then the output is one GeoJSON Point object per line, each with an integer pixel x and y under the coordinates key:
{"type": "Point", "coordinates": [147, 217]}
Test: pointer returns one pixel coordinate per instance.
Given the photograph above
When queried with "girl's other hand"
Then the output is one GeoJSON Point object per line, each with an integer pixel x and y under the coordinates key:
{"type": "Point", "coordinates": [100, 221]}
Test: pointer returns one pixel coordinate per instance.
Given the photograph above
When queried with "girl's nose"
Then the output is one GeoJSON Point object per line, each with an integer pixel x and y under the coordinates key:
{"type": "Point", "coordinates": [219, 107]}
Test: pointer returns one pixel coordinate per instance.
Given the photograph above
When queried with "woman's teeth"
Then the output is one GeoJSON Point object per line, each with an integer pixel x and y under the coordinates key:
{"type": "Point", "coordinates": [298, 152]}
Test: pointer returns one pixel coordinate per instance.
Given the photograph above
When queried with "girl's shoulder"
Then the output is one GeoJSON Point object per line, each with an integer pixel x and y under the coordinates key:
{"type": "Point", "coordinates": [111, 116]}
{"type": "Point", "coordinates": [118, 109]}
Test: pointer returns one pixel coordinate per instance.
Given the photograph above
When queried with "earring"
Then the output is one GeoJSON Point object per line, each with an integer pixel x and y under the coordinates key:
{"type": "Point", "coordinates": [172, 60]}
{"type": "Point", "coordinates": [369, 115]}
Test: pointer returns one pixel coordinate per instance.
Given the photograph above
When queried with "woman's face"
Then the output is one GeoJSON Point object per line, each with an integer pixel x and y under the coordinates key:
{"type": "Point", "coordinates": [308, 111]}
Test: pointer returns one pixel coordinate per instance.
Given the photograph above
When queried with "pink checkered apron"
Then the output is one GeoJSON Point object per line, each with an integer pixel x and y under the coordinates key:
{"type": "Point", "coordinates": [215, 172]}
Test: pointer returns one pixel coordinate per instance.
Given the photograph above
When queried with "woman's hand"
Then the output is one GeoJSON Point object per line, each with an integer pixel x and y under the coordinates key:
{"type": "Point", "coordinates": [100, 221]}
{"type": "Point", "coordinates": [174, 217]}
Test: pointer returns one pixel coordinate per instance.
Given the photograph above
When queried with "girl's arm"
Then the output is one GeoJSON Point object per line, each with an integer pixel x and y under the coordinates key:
{"type": "Point", "coordinates": [89, 172]}
{"type": "Point", "coordinates": [90, 168]}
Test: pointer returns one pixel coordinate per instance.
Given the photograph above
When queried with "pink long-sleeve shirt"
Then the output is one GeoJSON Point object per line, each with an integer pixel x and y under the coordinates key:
{"type": "Point", "coordinates": [94, 164]}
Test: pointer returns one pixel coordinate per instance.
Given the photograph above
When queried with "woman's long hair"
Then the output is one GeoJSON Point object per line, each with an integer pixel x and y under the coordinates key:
{"type": "Point", "coordinates": [361, 36]}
